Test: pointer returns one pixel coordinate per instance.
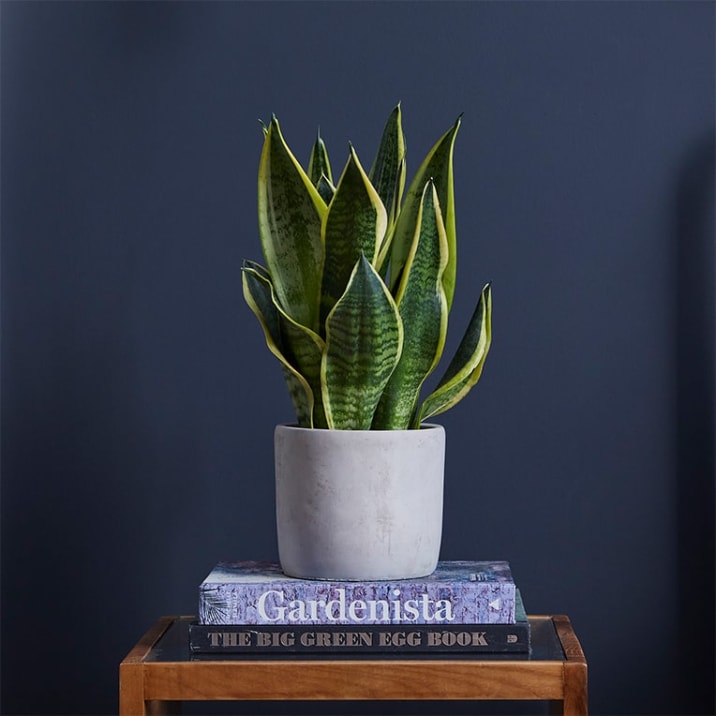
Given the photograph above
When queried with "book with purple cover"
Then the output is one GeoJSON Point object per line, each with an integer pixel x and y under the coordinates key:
{"type": "Point", "coordinates": [457, 592]}
{"type": "Point", "coordinates": [366, 639]}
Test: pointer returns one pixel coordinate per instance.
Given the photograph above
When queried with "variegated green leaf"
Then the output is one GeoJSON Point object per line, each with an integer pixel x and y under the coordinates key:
{"type": "Point", "coordinates": [290, 217]}
{"type": "Point", "coordinates": [258, 295]}
{"type": "Point", "coordinates": [258, 269]}
{"type": "Point", "coordinates": [325, 189]}
{"type": "Point", "coordinates": [355, 224]}
{"type": "Point", "coordinates": [385, 248]}
{"type": "Point", "coordinates": [363, 344]}
{"type": "Point", "coordinates": [301, 348]}
{"type": "Point", "coordinates": [387, 174]}
{"type": "Point", "coordinates": [318, 164]}
{"type": "Point", "coordinates": [423, 311]}
{"type": "Point", "coordinates": [438, 165]}
{"type": "Point", "coordinates": [465, 368]}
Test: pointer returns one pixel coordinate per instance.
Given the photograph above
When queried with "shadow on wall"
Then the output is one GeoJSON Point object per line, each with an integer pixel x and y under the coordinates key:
{"type": "Point", "coordinates": [695, 425]}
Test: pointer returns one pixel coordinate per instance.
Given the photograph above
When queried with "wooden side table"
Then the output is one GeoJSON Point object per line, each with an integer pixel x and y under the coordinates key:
{"type": "Point", "coordinates": [160, 669]}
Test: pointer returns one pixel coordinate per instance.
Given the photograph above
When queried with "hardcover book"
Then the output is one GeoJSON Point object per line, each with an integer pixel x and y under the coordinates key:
{"type": "Point", "coordinates": [399, 639]}
{"type": "Point", "coordinates": [371, 638]}
{"type": "Point", "coordinates": [457, 592]}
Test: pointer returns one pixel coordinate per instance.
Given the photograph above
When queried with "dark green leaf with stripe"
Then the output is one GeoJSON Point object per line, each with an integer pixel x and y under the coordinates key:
{"type": "Point", "coordinates": [387, 174]}
{"type": "Point", "coordinates": [437, 165]}
{"type": "Point", "coordinates": [290, 217]}
{"type": "Point", "coordinates": [258, 294]}
{"type": "Point", "coordinates": [325, 189]}
{"type": "Point", "coordinates": [423, 311]}
{"type": "Point", "coordinates": [300, 346]}
{"type": "Point", "coordinates": [318, 164]}
{"type": "Point", "coordinates": [355, 224]}
{"type": "Point", "coordinates": [363, 344]}
{"type": "Point", "coordinates": [465, 368]}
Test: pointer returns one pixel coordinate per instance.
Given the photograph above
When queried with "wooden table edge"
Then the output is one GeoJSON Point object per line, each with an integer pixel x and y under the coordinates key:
{"type": "Point", "coordinates": [565, 633]}
{"type": "Point", "coordinates": [131, 669]}
{"type": "Point", "coordinates": [141, 649]}
{"type": "Point", "coordinates": [568, 639]}
{"type": "Point", "coordinates": [574, 667]}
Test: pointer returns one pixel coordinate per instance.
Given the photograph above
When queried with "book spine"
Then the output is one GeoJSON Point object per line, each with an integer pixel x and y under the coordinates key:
{"type": "Point", "coordinates": [285, 603]}
{"type": "Point", "coordinates": [396, 639]}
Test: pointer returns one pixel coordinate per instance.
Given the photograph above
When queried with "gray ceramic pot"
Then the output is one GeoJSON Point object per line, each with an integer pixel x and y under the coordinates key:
{"type": "Point", "coordinates": [359, 505]}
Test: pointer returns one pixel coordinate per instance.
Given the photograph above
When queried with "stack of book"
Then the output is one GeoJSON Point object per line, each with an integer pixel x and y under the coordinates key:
{"type": "Point", "coordinates": [462, 607]}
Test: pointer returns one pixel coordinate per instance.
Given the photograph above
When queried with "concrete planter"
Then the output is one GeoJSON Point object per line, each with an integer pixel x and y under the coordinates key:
{"type": "Point", "coordinates": [359, 505]}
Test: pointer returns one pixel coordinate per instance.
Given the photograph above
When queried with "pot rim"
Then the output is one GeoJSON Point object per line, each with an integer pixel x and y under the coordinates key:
{"type": "Point", "coordinates": [423, 426]}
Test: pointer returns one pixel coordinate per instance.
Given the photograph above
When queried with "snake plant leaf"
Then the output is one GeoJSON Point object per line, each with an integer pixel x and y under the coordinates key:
{"type": "Point", "coordinates": [364, 338]}
{"type": "Point", "coordinates": [301, 348]}
{"type": "Point", "coordinates": [438, 165]}
{"type": "Point", "coordinates": [258, 294]}
{"type": "Point", "coordinates": [318, 164]}
{"type": "Point", "coordinates": [384, 251]}
{"type": "Point", "coordinates": [325, 189]}
{"type": "Point", "coordinates": [355, 224]}
{"type": "Point", "coordinates": [387, 173]}
{"type": "Point", "coordinates": [422, 306]}
{"type": "Point", "coordinates": [291, 213]}
{"type": "Point", "coordinates": [301, 399]}
{"type": "Point", "coordinates": [465, 368]}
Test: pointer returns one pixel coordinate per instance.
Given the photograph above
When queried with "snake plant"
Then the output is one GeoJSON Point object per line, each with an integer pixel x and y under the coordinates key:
{"type": "Point", "coordinates": [358, 283]}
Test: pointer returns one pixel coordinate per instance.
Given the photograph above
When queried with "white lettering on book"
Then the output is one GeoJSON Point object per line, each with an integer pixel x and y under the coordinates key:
{"type": "Point", "coordinates": [272, 607]}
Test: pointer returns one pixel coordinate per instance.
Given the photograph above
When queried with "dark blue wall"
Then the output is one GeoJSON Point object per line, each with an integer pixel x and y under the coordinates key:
{"type": "Point", "coordinates": [138, 399]}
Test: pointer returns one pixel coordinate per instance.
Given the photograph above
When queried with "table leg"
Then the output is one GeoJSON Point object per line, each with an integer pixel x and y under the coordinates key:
{"type": "Point", "coordinates": [575, 669]}
{"type": "Point", "coordinates": [575, 689]}
{"type": "Point", "coordinates": [131, 672]}
{"type": "Point", "coordinates": [131, 690]}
